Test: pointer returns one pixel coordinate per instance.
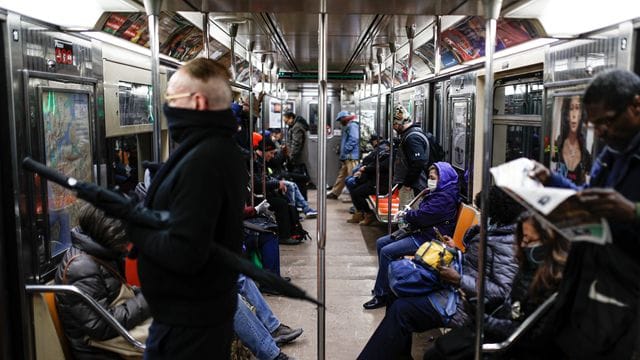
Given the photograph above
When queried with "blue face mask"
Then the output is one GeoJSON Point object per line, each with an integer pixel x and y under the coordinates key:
{"type": "Point", "coordinates": [535, 254]}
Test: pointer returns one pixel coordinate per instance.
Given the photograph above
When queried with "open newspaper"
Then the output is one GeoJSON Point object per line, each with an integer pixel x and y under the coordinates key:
{"type": "Point", "coordinates": [556, 207]}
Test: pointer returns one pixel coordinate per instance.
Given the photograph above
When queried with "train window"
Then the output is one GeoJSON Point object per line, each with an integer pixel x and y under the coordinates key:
{"type": "Point", "coordinates": [313, 118]}
{"type": "Point", "coordinates": [126, 154]}
{"type": "Point", "coordinates": [134, 103]}
{"type": "Point", "coordinates": [518, 99]}
{"type": "Point", "coordinates": [515, 141]}
{"type": "Point", "coordinates": [67, 145]}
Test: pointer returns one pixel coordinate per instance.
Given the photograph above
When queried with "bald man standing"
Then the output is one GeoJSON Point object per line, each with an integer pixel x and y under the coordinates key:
{"type": "Point", "coordinates": [192, 297]}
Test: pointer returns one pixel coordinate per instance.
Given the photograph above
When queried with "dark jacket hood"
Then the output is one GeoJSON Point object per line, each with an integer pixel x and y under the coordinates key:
{"type": "Point", "coordinates": [87, 244]}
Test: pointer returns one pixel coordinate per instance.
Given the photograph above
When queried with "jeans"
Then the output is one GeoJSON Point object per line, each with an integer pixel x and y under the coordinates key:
{"type": "Point", "coordinates": [389, 250]}
{"type": "Point", "coordinates": [295, 196]}
{"type": "Point", "coordinates": [392, 338]}
{"type": "Point", "coordinates": [254, 330]}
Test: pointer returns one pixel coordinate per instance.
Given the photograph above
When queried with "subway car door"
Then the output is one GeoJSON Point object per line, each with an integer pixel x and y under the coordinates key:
{"type": "Point", "coordinates": [61, 132]}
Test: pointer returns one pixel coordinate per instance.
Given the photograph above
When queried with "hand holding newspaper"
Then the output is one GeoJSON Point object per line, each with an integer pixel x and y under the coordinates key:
{"type": "Point", "coordinates": [555, 207]}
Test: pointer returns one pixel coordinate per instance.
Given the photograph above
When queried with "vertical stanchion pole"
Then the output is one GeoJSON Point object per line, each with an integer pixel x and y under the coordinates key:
{"type": "Point", "coordinates": [205, 35]}
{"type": "Point", "coordinates": [491, 12]}
{"type": "Point", "coordinates": [233, 32]}
{"type": "Point", "coordinates": [379, 121]}
{"type": "Point", "coordinates": [411, 33]}
{"type": "Point", "coordinates": [263, 58]}
{"type": "Point", "coordinates": [250, 45]}
{"type": "Point", "coordinates": [392, 48]}
{"type": "Point", "coordinates": [437, 28]}
{"type": "Point", "coordinates": [152, 8]}
{"type": "Point", "coordinates": [322, 176]}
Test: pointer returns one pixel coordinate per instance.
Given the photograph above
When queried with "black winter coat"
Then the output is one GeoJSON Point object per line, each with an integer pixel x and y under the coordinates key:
{"type": "Point", "coordinates": [203, 186]}
{"type": "Point", "coordinates": [80, 321]}
{"type": "Point", "coordinates": [412, 158]}
{"type": "Point", "coordinates": [296, 140]}
{"type": "Point", "coordinates": [501, 268]}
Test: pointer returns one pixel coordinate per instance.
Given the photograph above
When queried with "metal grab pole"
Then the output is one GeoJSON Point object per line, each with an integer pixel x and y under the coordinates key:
{"type": "Point", "coordinates": [491, 11]}
{"type": "Point", "coordinates": [437, 28]}
{"type": "Point", "coordinates": [322, 158]}
{"type": "Point", "coordinates": [263, 58]}
{"type": "Point", "coordinates": [411, 33]}
{"type": "Point", "coordinates": [379, 115]}
{"type": "Point", "coordinates": [392, 48]}
{"type": "Point", "coordinates": [152, 8]}
{"type": "Point", "coordinates": [205, 34]}
{"type": "Point", "coordinates": [233, 31]}
{"type": "Point", "coordinates": [250, 45]}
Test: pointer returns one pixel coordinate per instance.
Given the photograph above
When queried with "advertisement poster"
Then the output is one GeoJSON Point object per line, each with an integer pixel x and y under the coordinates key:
{"type": "Point", "coordinates": [459, 144]}
{"type": "Point", "coordinates": [572, 150]}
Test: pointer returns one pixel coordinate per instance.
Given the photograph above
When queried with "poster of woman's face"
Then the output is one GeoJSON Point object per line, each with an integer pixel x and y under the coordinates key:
{"type": "Point", "coordinates": [572, 150]}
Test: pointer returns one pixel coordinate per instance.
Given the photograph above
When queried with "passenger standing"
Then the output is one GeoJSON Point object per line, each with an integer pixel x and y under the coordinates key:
{"type": "Point", "coordinates": [597, 306]}
{"type": "Point", "coordinates": [349, 151]}
{"type": "Point", "coordinates": [294, 150]}
{"type": "Point", "coordinates": [192, 296]}
{"type": "Point", "coordinates": [413, 152]}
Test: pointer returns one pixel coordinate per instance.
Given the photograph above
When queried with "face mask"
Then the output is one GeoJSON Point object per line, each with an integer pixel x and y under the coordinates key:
{"type": "Point", "coordinates": [431, 184]}
{"type": "Point", "coordinates": [172, 118]}
{"type": "Point", "coordinates": [535, 254]}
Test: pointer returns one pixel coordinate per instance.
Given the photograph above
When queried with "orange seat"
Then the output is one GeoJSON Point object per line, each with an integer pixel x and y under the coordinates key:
{"type": "Point", "coordinates": [467, 217]}
{"type": "Point", "coordinates": [383, 205]}
{"type": "Point", "coordinates": [50, 299]}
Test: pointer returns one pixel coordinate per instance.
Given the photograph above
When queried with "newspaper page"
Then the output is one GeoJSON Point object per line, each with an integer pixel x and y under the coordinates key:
{"type": "Point", "coordinates": [555, 207]}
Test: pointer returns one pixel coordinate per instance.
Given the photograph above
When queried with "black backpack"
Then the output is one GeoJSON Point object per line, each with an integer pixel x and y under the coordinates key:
{"type": "Point", "coordinates": [436, 152]}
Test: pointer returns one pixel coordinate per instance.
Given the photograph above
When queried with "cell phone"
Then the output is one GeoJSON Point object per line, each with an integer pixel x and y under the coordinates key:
{"type": "Point", "coordinates": [439, 235]}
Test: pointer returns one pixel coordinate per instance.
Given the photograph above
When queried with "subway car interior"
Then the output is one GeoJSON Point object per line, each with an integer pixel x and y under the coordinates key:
{"type": "Point", "coordinates": [481, 83]}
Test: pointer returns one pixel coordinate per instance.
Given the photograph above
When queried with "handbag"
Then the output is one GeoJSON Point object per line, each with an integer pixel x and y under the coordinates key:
{"type": "Point", "coordinates": [434, 253]}
{"type": "Point", "coordinates": [117, 344]}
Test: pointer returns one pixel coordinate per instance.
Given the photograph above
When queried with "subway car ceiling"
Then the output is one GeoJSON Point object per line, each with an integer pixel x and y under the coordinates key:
{"type": "Point", "coordinates": [284, 34]}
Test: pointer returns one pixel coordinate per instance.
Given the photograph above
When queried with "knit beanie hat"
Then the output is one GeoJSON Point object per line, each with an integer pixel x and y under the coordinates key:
{"type": "Point", "coordinates": [400, 115]}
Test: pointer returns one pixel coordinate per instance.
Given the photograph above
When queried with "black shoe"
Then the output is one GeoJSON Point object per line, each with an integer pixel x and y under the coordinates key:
{"type": "Point", "coordinates": [283, 356]}
{"type": "Point", "coordinates": [286, 278]}
{"type": "Point", "coordinates": [376, 302]}
{"type": "Point", "coordinates": [284, 334]}
{"type": "Point", "coordinates": [352, 210]}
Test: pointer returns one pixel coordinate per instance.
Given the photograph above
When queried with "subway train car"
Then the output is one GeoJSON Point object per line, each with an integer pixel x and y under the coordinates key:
{"type": "Point", "coordinates": [83, 84]}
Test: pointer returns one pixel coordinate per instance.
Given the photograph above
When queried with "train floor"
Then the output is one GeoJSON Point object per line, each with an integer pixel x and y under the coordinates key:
{"type": "Point", "coordinates": [351, 267]}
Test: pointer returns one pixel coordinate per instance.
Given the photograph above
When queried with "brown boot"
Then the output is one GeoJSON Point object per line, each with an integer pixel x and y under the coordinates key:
{"type": "Point", "coordinates": [369, 218]}
{"type": "Point", "coordinates": [356, 217]}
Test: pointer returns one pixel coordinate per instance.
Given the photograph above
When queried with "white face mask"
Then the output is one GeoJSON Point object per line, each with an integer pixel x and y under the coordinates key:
{"type": "Point", "coordinates": [431, 184]}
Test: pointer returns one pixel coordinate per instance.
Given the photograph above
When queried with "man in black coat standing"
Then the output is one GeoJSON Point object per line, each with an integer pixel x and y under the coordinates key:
{"type": "Point", "coordinates": [191, 295]}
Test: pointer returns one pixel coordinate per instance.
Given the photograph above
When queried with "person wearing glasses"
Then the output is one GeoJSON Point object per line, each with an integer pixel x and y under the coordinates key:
{"type": "Point", "coordinates": [191, 295]}
{"type": "Point", "coordinates": [597, 306]}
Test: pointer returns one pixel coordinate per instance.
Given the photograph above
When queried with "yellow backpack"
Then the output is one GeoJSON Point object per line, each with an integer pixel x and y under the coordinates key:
{"type": "Point", "coordinates": [434, 253]}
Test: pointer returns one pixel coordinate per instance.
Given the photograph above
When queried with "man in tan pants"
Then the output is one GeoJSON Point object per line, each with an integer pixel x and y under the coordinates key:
{"type": "Point", "coordinates": [349, 151]}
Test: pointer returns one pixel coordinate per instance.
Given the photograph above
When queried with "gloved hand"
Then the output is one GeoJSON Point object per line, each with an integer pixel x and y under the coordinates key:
{"type": "Point", "coordinates": [261, 209]}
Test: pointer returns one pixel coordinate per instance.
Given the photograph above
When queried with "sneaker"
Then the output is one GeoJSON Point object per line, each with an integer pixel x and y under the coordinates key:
{"type": "Point", "coordinates": [283, 356]}
{"type": "Point", "coordinates": [311, 213]}
{"type": "Point", "coordinates": [332, 196]}
{"type": "Point", "coordinates": [284, 334]}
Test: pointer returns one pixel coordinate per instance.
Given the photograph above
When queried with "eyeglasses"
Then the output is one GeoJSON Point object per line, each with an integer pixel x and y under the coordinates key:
{"type": "Point", "coordinates": [168, 97]}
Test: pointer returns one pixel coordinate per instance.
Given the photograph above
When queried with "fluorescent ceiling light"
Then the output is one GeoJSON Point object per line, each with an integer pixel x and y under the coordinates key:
{"type": "Point", "coordinates": [575, 17]}
{"type": "Point", "coordinates": [72, 14]}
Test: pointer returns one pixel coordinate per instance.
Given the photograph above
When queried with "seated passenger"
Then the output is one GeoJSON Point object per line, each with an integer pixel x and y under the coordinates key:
{"type": "Point", "coordinates": [439, 208]}
{"type": "Point", "coordinates": [363, 183]}
{"type": "Point", "coordinates": [261, 332]}
{"type": "Point", "coordinates": [286, 215]}
{"type": "Point", "coordinates": [541, 254]}
{"type": "Point", "coordinates": [392, 338]}
{"type": "Point", "coordinates": [98, 247]}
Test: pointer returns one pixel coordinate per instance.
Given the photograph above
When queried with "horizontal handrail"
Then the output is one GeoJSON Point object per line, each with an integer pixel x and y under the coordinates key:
{"type": "Point", "coordinates": [71, 289]}
{"type": "Point", "coordinates": [526, 325]}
